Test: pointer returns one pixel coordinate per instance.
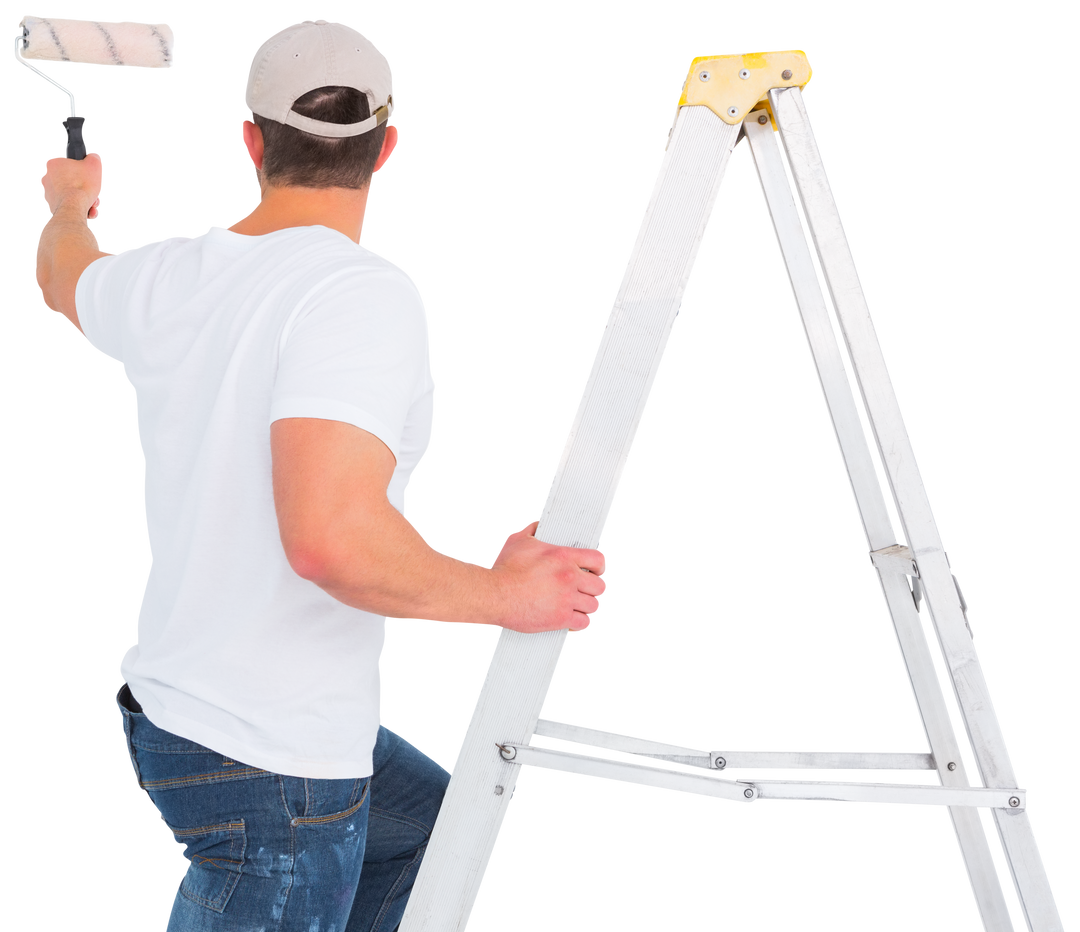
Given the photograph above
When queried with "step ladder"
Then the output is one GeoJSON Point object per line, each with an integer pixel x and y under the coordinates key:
{"type": "Point", "coordinates": [724, 100]}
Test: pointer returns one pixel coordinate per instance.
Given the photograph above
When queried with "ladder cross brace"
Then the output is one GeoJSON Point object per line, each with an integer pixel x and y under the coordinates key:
{"type": "Point", "coordinates": [721, 760]}
{"type": "Point", "coordinates": [749, 790]}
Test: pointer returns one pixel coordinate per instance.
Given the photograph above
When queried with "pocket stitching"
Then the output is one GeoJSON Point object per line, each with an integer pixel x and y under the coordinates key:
{"type": "Point", "coordinates": [318, 820]}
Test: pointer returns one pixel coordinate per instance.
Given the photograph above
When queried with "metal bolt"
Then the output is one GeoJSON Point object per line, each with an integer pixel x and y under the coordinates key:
{"type": "Point", "coordinates": [786, 74]}
{"type": "Point", "coordinates": [732, 111]}
{"type": "Point", "coordinates": [744, 74]}
{"type": "Point", "coordinates": [704, 76]}
{"type": "Point", "coordinates": [763, 119]}
{"type": "Point", "coordinates": [952, 765]}
{"type": "Point", "coordinates": [748, 793]}
{"type": "Point", "coordinates": [507, 753]}
{"type": "Point", "coordinates": [499, 791]}
{"type": "Point", "coordinates": [1014, 801]}
{"type": "Point", "coordinates": [719, 763]}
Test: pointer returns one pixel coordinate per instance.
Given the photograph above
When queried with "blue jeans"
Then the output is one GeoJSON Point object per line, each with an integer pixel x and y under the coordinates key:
{"type": "Point", "coordinates": [271, 853]}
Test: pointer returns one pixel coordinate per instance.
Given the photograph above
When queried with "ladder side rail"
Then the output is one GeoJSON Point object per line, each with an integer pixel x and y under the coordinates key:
{"type": "Point", "coordinates": [854, 448]}
{"type": "Point", "coordinates": [521, 669]}
{"type": "Point", "coordinates": [871, 505]}
{"type": "Point", "coordinates": [890, 434]}
{"type": "Point", "coordinates": [819, 334]}
{"type": "Point", "coordinates": [912, 503]}
{"type": "Point", "coordinates": [1029, 874]}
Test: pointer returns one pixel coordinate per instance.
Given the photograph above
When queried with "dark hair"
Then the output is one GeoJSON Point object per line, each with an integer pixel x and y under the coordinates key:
{"type": "Point", "coordinates": [293, 157]}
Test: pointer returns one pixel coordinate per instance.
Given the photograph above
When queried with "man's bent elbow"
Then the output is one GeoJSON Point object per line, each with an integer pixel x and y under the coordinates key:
{"type": "Point", "coordinates": [310, 563]}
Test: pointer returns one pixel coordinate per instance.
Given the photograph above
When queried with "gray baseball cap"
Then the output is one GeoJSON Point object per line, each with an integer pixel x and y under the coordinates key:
{"type": "Point", "coordinates": [318, 54]}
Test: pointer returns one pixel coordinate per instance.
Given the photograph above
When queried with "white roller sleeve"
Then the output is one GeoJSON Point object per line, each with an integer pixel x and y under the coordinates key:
{"type": "Point", "coordinates": [98, 43]}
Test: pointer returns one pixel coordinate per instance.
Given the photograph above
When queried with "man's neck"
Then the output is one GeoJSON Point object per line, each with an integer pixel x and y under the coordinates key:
{"type": "Point", "coordinates": [340, 209]}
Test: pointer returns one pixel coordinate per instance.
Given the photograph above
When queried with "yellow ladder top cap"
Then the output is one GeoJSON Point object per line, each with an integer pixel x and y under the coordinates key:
{"type": "Point", "coordinates": [730, 85]}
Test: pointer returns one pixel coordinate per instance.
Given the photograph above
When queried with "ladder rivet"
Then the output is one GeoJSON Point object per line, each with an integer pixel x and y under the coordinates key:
{"type": "Point", "coordinates": [744, 74]}
{"type": "Point", "coordinates": [952, 765]}
{"type": "Point", "coordinates": [499, 791]}
{"type": "Point", "coordinates": [763, 119]}
{"type": "Point", "coordinates": [1014, 801]}
{"type": "Point", "coordinates": [786, 74]}
{"type": "Point", "coordinates": [704, 76]}
{"type": "Point", "coordinates": [748, 793]}
{"type": "Point", "coordinates": [732, 111]}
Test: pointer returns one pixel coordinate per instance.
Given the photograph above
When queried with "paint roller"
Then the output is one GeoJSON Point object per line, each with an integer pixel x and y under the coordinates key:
{"type": "Point", "coordinates": [94, 43]}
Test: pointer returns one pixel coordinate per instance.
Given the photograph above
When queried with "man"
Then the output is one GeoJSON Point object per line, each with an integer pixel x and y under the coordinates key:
{"type": "Point", "coordinates": [284, 399]}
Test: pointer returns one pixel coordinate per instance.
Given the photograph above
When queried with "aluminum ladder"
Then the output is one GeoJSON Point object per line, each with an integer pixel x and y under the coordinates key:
{"type": "Point", "coordinates": [725, 99]}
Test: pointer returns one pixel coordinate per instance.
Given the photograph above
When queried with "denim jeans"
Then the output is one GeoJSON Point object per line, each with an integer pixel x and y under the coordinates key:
{"type": "Point", "coordinates": [272, 853]}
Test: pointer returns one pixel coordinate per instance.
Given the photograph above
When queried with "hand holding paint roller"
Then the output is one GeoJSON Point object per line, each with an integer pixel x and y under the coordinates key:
{"type": "Point", "coordinates": [68, 181]}
{"type": "Point", "coordinates": [96, 44]}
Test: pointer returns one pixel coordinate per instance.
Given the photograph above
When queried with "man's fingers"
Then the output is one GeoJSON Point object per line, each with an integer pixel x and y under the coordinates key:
{"type": "Point", "coordinates": [591, 560]}
{"type": "Point", "coordinates": [580, 622]}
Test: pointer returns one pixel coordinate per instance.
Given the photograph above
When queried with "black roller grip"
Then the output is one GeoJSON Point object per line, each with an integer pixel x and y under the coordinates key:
{"type": "Point", "coordinates": [76, 149]}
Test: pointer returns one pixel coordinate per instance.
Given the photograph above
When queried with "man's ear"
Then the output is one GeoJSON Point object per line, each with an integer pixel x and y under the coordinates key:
{"type": "Point", "coordinates": [251, 137]}
{"type": "Point", "coordinates": [390, 144]}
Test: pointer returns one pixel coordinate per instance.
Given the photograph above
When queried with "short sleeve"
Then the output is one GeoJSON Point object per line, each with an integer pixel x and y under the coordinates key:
{"type": "Point", "coordinates": [356, 352]}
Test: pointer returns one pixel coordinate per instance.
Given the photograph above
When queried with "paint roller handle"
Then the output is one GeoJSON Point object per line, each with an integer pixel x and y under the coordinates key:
{"type": "Point", "coordinates": [76, 148]}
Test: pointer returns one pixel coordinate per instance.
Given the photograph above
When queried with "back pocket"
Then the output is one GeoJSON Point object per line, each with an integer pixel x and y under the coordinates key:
{"type": "Point", "coordinates": [216, 853]}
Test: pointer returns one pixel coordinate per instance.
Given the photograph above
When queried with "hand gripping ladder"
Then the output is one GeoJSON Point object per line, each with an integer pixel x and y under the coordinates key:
{"type": "Point", "coordinates": [724, 99]}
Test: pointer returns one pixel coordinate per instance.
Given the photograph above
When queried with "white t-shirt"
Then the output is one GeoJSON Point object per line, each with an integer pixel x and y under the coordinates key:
{"type": "Point", "coordinates": [221, 335]}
